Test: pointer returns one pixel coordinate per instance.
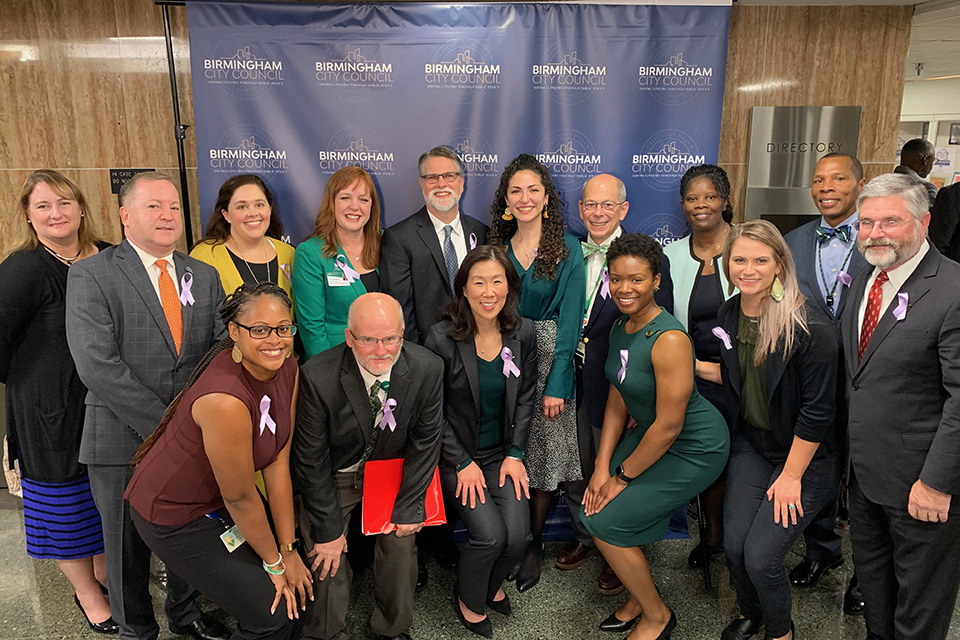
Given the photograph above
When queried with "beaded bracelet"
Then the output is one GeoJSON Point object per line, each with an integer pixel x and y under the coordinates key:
{"type": "Point", "coordinates": [277, 568]}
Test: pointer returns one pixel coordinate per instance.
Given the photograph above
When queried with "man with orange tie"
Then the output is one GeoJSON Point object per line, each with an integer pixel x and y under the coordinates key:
{"type": "Point", "coordinates": [901, 343]}
{"type": "Point", "coordinates": [140, 316]}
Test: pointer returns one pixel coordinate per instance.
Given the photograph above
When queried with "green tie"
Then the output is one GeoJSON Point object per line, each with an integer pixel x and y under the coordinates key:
{"type": "Point", "coordinates": [375, 406]}
{"type": "Point", "coordinates": [589, 249]}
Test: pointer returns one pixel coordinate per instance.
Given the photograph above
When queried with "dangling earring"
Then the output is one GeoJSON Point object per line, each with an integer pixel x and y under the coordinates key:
{"type": "Point", "coordinates": [776, 291]}
{"type": "Point", "coordinates": [236, 354]}
{"type": "Point", "coordinates": [507, 214]}
{"type": "Point", "coordinates": [545, 216]}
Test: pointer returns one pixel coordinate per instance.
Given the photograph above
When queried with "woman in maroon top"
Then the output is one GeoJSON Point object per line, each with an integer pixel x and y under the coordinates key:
{"type": "Point", "coordinates": [193, 494]}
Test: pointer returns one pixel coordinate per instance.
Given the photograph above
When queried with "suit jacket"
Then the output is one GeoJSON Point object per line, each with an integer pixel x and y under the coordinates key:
{"type": "Point", "coordinates": [929, 186]}
{"type": "Point", "coordinates": [334, 425]}
{"type": "Point", "coordinates": [905, 392]}
{"type": "Point", "coordinates": [412, 269]}
{"type": "Point", "coordinates": [801, 385]}
{"type": "Point", "coordinates": [803, 245]}
{"type": "Point", "coordinates": [461, 410]}
{"type": "Point", "coordinates": [321, 308]}
{"type": "Point", "coordinates": [123, 348]}
{"type": "Point", "coordinates": [944, 219]}
{"type": "Point", "coordinates": [218, 257]}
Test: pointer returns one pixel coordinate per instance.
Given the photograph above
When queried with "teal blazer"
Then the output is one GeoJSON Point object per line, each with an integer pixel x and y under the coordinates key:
{"type": "Point", "coordinates": [321, 296]}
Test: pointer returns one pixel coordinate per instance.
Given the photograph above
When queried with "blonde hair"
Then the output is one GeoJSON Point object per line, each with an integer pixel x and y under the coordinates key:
{"type": "Point", "coordinates": [23, 237]}
{"type": "Point", "coordinates": [779, 321]}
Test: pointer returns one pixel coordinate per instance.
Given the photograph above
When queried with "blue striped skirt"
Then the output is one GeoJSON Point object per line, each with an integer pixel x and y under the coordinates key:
{"type": "Point", "coordinates": [60, 520]}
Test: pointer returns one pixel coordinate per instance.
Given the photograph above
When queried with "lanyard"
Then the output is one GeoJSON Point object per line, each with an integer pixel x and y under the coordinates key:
{"type": "Point", "coordinates": [836, 281]}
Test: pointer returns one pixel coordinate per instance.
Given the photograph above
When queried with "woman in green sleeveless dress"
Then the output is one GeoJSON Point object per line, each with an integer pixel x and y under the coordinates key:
{"type": "Point", "coordinates": [679, 447]}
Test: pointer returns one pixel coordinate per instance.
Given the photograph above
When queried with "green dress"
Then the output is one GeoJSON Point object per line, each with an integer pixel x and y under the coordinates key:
{"type": "Point", "coordinates": [641, 512]}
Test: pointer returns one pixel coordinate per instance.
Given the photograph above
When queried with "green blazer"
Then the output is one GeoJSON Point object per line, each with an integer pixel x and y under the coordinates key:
{"type": "Point", "coordinates": [322, 297]}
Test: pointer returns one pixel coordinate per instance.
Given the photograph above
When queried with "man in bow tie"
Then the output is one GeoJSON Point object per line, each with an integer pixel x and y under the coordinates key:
{"type": "Point", "coordinates": [345, 394]}
{"type": "Point", "coordinates": [603, 206]}
{"type": "Point", "coordinates": [826, 256]}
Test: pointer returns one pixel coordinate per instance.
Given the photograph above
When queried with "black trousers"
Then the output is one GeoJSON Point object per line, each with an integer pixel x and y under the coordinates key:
{"type": "Point", "coordinates": [128, 562]}
{"type": "Point", "coordinates": [909, 570]}
{"type": "Point", "coordinates": [235, 582]}
{"type": "Point", "coordinates": [498, 531]}
{"type": "Point", "coordinates": [588, 438]}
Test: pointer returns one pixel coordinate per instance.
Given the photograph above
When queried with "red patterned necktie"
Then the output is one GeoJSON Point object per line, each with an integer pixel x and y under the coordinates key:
{"type": "Point", "coordinates": [171, 304]}
{"type": "Point", "coordinates": [872, 314]}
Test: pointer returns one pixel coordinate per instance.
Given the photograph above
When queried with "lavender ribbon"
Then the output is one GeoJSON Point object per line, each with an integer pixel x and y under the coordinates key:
{"type": "Point", "coordinates": [388, 420]}
{"type": "Point", "coordinates": [624, 356]}
{"type": "Point", "coordinates": [724, 336]}
{"type": "Point", "coordinates": [605, 283]}
{"type": "Point", "coordinates": [349, 274]}
{"type": "Point", "coordinates": [473, 241]}
{"type": "Point", "coordinates": [186, 284]}
{"type": "Point", "coordinates": [286, 270]}
{"type": "Point", "coordinates": [901, 311]}
{"type": "Point", "coordinates": [266, 422]}
{"type": "Point", "coordinates": [845, 278]}
{"type": "Point", "coordinates": [508, 365]}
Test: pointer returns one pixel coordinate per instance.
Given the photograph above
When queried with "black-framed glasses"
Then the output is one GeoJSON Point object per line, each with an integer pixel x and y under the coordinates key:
{"type": "Point", "coordinates": [434, 178]}
{"type": "Point", "coordinates": [367, 341]}
{"type": "Point", "coordinates": [262, 331]}
{"type": "Point", "coordinates": [608, 206]}
{"type": "Point", "coordinates": [888, 224]}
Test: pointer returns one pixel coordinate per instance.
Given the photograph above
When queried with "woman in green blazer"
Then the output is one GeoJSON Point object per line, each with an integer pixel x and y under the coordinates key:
{"type": "Point", "coordinates": [338, 263]}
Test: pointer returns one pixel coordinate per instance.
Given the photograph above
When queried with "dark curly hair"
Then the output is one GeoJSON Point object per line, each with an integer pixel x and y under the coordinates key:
{"type": "Point", "coordinates": [218, 229]}
{"type": "Point", "coordinates": [637, 245]}
{"type": "Point", "coordinates": [720, 181]}
{"type": "Point", "coordinates": [464, 324]}
{"type": "Point", "coordinates": [552, 249]}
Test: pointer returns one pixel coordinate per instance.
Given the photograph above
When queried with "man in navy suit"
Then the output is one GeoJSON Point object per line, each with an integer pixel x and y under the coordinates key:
{"type": "Point", "coordinates": [825, 252]}
{"type": "Point", "coordinates": [141, 316]}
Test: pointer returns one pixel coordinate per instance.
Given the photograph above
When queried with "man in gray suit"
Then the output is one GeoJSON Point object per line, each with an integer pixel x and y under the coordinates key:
{"type": "Point", "coordinates": [901, 339]}
{"type": "Point", "coordinates": [345, 394]}
{"type": "Point", "coordinates": [140, 317]}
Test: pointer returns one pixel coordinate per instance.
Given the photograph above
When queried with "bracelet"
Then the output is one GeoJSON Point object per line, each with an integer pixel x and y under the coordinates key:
{"type": "Point", "coordinates": [274, 571]}
{"type": "Point", "coordinates": [293, 546]}
{"type": "Point", "coordinates": [274, 564]}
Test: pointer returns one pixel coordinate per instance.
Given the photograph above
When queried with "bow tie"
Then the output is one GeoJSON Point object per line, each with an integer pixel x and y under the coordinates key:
{"type": "Point", "coordinates": [589, 249]}
{"type": "Point", "coordinates": [825, 233]}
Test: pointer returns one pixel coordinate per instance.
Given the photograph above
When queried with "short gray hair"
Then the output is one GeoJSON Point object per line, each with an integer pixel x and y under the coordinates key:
{"type": "Point", "coordinates": [905, 187]}
{"type": "Point", "coordinates": [439, 152]}
{"type": "Point", "coordinates": [621, 188]}
{"type": "Point", "coordinates": [351, 316]}
{"type": "Point", "coordinates": [145, 176]}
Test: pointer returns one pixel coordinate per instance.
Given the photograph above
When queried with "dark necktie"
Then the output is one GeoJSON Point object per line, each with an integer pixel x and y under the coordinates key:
{"type": "Point", "coordinates": [449, 254]}
{"type": "Point", "coordinates": [872, 313]}
{"type": "Point", "coordinates": [825, 233]}
{"type": "Point", "coordinates": [375, 406]}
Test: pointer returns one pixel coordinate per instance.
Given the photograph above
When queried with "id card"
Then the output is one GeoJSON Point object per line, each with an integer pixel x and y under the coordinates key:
{"type": "Point", "coordinates": [232, 538]}
{"type": "Point", "coordinates": [336, 280]}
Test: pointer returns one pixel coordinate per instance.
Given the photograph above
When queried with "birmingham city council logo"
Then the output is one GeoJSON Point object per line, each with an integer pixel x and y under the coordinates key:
{"type": "Point", "coordinates": [566, 76]}
{"type": "Point", "coordinates": [664, 228]}
{"type": "Point", "coordinates": [664, 158]}
{"type": "Point", "coordinates": [464, 67]}
{"type": "Point", "coordinates": [570, 156]}
{"type": "Point", "coordinates": [356, 146]}
{"type": "Point", "coordinates": [244, 66]}
{"type": "Point", "coordinates": [248, 149]}
{"type": "Point", "coordinates": [673, 76]}
{"type": "Point", "coordinates": [354, 70]}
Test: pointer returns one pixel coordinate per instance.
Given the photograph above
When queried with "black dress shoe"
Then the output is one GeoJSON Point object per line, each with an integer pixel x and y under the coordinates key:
{"type": "Point", "coordinates": [809, 572]}
{"type": "Point", "coordinates": [501, 606]}
{"type": "Point", "coordinates": [448, 556]}
{"type": "Point", "coordinates": [695, 559]}
{"type": "Point", "coordinates": [204, 628]}
{"type": "Point", "coordinates": [613, 623]}
{"type": "Point", "coordinates": [483, 628]}
{"type": "Point", "coordinates": [741, 629]}
{"type": "Point", "coordinates": [107, 626]}
{"type": "Point", "coordinates": [512, 574]}
{"type": "Point", "coordinates": [529, 574]}
{"type": "Point", "coordinates": [853, 599]}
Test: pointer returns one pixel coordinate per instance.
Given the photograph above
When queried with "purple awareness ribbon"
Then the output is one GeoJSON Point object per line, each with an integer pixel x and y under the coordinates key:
{"type": "Point", "coordinates": [605, 283]}
{"type": "Point", "coordinates": [724, 336]}
{"type": "Point", "coordinates": [348, 273]}
{"type": "Point", "coordinates": [473, 241]}
{"type": "Point", "coordinates": [901, 311]}
{"type": "Point", "coordinates": [508, 365]}
{"type": "Point", "coordinates": [845, 278]}
{"type": "Point", "coordinates": [388, 420]}
{"type": "Point", "coordinates": [286, 270]}
{"type": "Point", "coordinates": [186, 284]}
{"type": "Point", "coordinates": [266, 422]}
{"type": "Point", "coordinates": [622, 374]}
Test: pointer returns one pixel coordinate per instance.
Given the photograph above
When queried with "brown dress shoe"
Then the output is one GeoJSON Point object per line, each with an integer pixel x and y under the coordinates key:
{"type": "Point", "coordinates": [608, 583]}
{"type": "Point", "coordinates": [573, 555]}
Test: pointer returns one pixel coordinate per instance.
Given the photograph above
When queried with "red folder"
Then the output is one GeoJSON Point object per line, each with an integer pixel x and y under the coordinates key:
{"type": "Point", "coordinates": [381, 484]}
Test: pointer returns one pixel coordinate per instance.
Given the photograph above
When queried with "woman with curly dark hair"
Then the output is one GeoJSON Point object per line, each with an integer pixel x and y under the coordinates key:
{"type": "Point", "coordinates": [528, 220]}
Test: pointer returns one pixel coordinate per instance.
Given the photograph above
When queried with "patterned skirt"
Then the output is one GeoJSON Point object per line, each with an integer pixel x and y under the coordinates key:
{"type": "Point", "coordinates": [553, 453]}
{"type": "Point", "coordinates": [60, 520]}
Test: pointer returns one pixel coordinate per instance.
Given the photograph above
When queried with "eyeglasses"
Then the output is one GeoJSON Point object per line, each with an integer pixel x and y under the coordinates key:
{"type": "Point", "coordinates": [608, 206]}
{"type": "Point", "coordinates": [262, 331]}
{"type": "Point", "coordinates": [367, 341]}
{"type": "Point", "coordinates": [885, 225]}
{"type": "Point", "coordinates": [434, 178]}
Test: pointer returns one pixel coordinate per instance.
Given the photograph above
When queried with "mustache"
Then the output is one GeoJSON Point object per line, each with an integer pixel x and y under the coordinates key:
{"type": "Point", "coordinates": [870, 242]}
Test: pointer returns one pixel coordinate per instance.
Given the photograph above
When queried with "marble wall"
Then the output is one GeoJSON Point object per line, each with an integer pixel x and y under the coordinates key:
{"type": "Point", "coordinates": [84, 87]}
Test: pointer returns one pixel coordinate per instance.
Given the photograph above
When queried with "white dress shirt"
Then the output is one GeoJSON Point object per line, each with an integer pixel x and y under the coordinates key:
{"type": "Point", "coordinates": [890, 288]}
{"type": "Point", "coordinates": [456, 236]}
{"type": "Point", "coordinates": [595, 265]}
{"type": "Point", "coordinates": [153, 271]}
{"type": "Point", "coordinates": [368, 381]}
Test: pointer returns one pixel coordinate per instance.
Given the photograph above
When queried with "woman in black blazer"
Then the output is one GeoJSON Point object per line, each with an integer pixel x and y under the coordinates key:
{"type": "Point", "coordinates": [778, 363]}
{"type": "Point", "coordinates": [490, 357]}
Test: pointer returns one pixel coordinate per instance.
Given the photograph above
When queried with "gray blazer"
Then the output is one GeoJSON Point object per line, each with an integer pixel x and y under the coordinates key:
{"type": "Point", "coordinates": [905, 394]}
{"type": "Point", "coordinates": [124, 350]}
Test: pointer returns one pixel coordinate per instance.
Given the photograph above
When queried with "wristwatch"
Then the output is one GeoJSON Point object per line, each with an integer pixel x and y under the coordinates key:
{"type": "Point", "coordinates": [623, 476]}
{"type": "Point", "coordinates": [290, 547]}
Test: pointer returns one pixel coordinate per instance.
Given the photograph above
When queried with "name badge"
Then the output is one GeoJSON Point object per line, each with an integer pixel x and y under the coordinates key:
{"type": "Point", "coordinates": [232, 538]}
{"type": "Point", "coordinates": [336, 280]}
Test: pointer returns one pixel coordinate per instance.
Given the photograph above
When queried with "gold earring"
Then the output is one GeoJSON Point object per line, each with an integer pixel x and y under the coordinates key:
{"type": "Point", "coordinates": [236, 354]}
{"type": "Point", "coordinates": [776, 291]}
{"type": "Point", "coordinates": [507, 214]}
{"type": "Point", "coordinates": [545, 216]}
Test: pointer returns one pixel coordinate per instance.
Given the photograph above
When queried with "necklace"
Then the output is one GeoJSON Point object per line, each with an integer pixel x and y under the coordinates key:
{"type": "Point", "coordinates": [65, 259]}
{"type": "Point", "coordinates": [250, 269]}
{"type": "Point", "coordinates": [523, 247]}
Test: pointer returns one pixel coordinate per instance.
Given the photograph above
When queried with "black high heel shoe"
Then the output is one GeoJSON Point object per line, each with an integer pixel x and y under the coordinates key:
{"type": "Point", "coordinates": [613, 623]}
{"type": "Point", "coordinates": [483, 628]}
{"type": "Point", "coordinates": [530, 566]}
{"type": "Point", "coordinates": [667, 630]}
{"type": "Point", "coordinates": [107, 626]}
{"type": "Point", "coordinates": [501, 606]}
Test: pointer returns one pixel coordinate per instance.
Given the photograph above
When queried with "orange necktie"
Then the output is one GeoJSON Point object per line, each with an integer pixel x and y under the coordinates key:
{"type": "Point", "coordinates": [171, 304]}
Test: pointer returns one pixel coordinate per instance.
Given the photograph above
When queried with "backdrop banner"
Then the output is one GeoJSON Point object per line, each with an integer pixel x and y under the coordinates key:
{"type": "Point", "coordinates": [294, 92]}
